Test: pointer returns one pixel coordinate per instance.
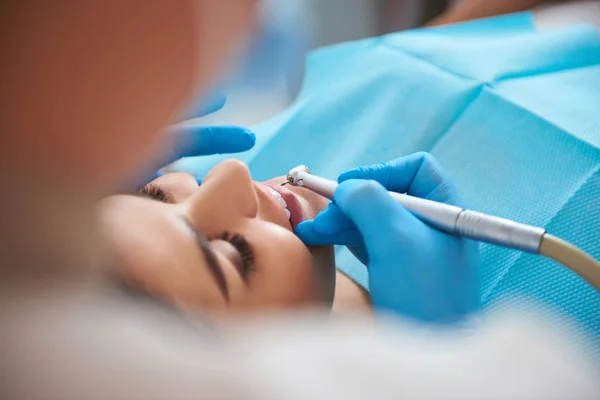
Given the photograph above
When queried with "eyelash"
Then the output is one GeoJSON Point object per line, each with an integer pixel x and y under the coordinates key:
{"type": "Point", "coordinates": [243, 248]}
{"type": "Point", "coordinates": [157, 193]}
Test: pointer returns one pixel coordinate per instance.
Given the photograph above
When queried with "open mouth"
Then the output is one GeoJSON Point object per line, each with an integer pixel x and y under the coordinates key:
{"type": "Point", "coordinates": [288, 201]}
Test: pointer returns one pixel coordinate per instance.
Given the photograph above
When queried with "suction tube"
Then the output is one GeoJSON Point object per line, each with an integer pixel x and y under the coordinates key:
{"type": "Point", "coordinates": [572, 257]}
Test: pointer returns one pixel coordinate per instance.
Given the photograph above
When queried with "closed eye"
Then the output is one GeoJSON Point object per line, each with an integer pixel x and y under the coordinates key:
{"type": "Point", "coordinates": [157, 193]}
{"type": "Point", "coordinates": [243, 248]}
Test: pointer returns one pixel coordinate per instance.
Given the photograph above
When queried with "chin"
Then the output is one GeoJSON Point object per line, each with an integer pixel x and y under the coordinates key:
{"type": "Point", "coordinates": [323, 256]}
{"type": "Point", "coordinates": [325, 271]}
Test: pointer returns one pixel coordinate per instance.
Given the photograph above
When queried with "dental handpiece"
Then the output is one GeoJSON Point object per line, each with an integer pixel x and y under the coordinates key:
{"type": "Point", "coordinates": [474, 225]}
{"type": "Point", "coordinates": [444, 217]}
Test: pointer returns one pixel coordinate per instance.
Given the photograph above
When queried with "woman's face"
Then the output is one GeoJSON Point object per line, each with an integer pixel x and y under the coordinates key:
{"type": "Point", "coordinates": [227, 245]}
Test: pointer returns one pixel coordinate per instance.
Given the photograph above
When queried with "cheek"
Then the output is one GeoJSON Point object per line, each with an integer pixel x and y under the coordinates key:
{"type": "Point", "coordinates": [314, 203]}
{"type": "Point", "coordinates": [171, 271]}
{"type": "Point", "coordinates": [158, 256]}
{"type": "Point", "coordinates": [324, 266]}
{"type": "Point", "coordinates": [285, 275]}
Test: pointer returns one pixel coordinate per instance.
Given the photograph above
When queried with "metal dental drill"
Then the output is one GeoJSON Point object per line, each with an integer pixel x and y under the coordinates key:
{"type": "Point", "coordinates": [450, 219]}
{"type": "Point", "coordinates": [473, 225]}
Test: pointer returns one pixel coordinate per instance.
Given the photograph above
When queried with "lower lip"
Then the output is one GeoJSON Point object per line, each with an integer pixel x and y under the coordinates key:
{"type": "Point", "coordinates": [293, 204]}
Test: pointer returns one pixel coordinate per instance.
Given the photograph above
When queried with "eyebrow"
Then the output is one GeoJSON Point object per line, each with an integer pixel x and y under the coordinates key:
{"type": "Point", "coordinates": [211, 259]}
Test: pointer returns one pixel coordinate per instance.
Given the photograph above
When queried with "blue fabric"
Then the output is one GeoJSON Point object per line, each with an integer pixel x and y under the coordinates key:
{"type": "Point", "coordinates": [512, 114]}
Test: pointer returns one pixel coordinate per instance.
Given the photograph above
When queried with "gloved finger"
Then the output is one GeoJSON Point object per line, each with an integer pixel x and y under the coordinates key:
{"type": "Point", "coordinates": [204, 107]}
{"type": "Point", "coordinates": [194, 140]}
{"type": "Point", "coordinates": [330, 226]}
{"type": "Point", "coordinates": [376, 215]}
{"type": "Point", "coordinates": [418, 174]}
{"type": "Point", "coordinates": [312, 237]}
{"type": "Point", "coordinates": [360, 252]}
{"type": "Point", "coordinates": [332, 220]}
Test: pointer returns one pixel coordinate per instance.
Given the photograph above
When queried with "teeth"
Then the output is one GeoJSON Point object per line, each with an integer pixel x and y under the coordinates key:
{"type": "Point", "coordinates": [281, 202]}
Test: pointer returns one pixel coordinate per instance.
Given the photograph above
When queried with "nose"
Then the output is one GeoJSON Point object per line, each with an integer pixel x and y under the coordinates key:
{"type": "Point", "coordinates": [227, 193]}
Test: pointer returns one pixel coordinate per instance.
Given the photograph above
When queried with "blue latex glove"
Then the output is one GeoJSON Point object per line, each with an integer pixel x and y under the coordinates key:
{"type": "Point", "coordinates": [414, 270]}
{"type": "Point", "coordinates": [196, 140]}
{"type": "Point", "coordinates": [191, 140]}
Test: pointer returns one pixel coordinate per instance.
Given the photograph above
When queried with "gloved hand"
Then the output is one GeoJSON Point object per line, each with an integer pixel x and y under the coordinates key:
{"type": "Point", "coordinates": [191, 140]}
{"type": "Point", "coordinates": [194, 140]}
{"type": "Point", "coordinates": [414, 270]}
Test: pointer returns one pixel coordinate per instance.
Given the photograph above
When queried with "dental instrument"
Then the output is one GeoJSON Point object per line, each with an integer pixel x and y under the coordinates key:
{"type": "Point", "coordinates": [473, 225]}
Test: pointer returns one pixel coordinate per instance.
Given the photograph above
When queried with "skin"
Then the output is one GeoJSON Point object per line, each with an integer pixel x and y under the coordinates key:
{"type": "Point", "coordinates": [87, 87]}
{"type": "Point", "coordinates": [160, 253]}
{"type": "Point", "coordinates": [109, 94]}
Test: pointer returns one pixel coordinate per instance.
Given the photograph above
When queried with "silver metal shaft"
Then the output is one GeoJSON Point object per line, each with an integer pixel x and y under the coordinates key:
{"type": "Point", "coordinates": [446, 218]}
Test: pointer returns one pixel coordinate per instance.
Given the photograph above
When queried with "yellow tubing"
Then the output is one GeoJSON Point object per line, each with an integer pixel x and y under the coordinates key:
{"type": "Point", "coordinates": [572, 257]}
